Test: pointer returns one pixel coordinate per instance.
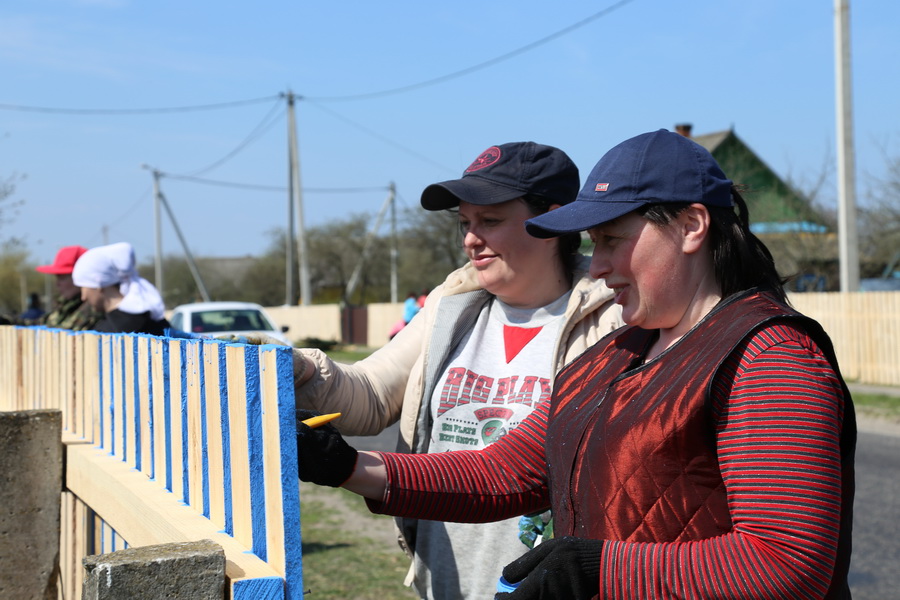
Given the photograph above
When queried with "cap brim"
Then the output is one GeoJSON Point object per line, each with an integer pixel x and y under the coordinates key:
{"type": "Point", "coordinates": [53, 270]}
{"type": "Point", "coordinates": [472, 189]}
{"type": "Point", "coordinates": [577, 216]}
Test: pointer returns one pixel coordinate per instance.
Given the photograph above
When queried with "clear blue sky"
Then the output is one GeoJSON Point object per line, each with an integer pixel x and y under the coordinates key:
{"type": "Point", "coordinates": [765, 68]}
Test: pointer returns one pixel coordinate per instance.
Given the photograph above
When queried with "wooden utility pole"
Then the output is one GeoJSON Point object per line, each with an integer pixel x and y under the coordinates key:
{"type": "Point", "coordinates": [157, 219]}
{"type": "Point", "coordinates": [847, 237]}
{"type": "Point", "coordinates": [160, 203]}
{"type": "Point", "coordinates": [393, 196]}
{"type": "Point", "coordinates": [367, 246]}
{"type": "Point", "coordinates": [295, 211]}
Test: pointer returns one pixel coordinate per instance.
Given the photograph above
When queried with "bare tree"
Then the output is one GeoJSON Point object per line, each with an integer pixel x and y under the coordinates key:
{"type": "Point", "coordinates": [9, 208]}
{"type": "Point", "coordinates": [879, 224]}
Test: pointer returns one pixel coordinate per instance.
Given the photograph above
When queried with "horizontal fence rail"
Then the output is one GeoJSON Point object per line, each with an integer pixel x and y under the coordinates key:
{"type": "Point", "coordinates": [864, 326]}
{"type": "Point", "coordinates": [168, 440]}
{"type": "Point", "coordinates": [865, 330]}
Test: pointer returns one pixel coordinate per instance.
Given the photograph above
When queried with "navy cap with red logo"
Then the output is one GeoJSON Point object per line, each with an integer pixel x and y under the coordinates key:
{"type": "Point", "coordinates": [506, 172]}
{"type": "Point", "coordinates": [655, 167]}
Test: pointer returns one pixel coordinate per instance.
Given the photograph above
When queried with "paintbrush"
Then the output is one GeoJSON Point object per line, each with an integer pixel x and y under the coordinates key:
{"type": "Point", "coordinates": [320, 420]}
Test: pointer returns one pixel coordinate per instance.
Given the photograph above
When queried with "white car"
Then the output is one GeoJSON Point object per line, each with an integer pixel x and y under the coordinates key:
{"type": "Point", "coordinates": [217, 319]}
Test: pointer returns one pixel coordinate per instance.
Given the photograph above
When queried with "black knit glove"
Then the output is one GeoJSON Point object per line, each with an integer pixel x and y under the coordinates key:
{"type": "Point", "coordinates": [566, 567]}
{"type": "Point", "coordinates": [323, 457]}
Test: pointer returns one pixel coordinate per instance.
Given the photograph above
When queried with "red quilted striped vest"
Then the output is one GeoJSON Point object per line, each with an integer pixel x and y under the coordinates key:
{"type": "Point", "coordinates": [631, 447]}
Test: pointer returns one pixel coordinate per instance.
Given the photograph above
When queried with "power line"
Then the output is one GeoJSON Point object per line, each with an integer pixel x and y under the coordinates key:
{"type": "Point", "coordinates": [271, 188]}
{"type": "Point", "coordinates": [136, 111]}
{"type": "Point", "coordinates": [406, 88]}
{"type": "Point", "coordinates": [124, 215]}
{"type": "Point", "coordinates": [260, 129]}
{"type": "Point", "coordinates": [382, 138]}
{"type": "Point", "coordinates": [481, 65]}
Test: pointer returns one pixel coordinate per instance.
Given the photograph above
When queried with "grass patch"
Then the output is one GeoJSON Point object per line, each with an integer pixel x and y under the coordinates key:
{"type": "Point", "coordinates": [877, 405]}
{"type": "Point", "coordinates": [340, 561]}
{"type": "Point", "coordinates": [348, 354]}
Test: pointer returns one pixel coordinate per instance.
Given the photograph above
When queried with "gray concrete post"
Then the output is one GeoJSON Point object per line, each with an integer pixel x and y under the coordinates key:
{"type": "Point", "coordinates": [176, 571]}
{"type": "Point", "coordinates": [30, 488]}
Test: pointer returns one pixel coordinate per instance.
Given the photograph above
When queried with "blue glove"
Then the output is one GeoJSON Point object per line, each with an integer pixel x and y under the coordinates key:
{"type": "Point", "coordinates": [566, 567]}
{"type": "Point", "coordinates": [323, 457]}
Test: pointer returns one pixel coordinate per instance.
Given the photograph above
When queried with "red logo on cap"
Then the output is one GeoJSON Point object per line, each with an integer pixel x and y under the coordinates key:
{"type": "Point", "coordinates": [601, 187]}
{"type": "Point", "coordinates": [485, 159]}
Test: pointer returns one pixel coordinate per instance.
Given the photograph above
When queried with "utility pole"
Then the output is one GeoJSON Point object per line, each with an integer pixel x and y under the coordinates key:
{"type": "Point", "coordinates": [367, 245]}
{"type": "Point", "coordinates": [296, 211]}
{"type": "Point", "coordinates": [847, 237]}
{"type": "Point", "coordinates": [290, 249]}
{"type": "Point", "coordinates": [157, 219]}
{"type": "Point", "coordinates": [161, 203]}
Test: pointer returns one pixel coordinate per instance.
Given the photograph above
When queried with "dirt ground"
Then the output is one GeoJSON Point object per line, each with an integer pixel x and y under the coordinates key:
{"type": "Point", "coordinates": [351, 511]}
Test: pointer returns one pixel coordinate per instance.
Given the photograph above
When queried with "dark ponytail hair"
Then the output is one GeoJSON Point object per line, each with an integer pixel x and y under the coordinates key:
{"type": "Point", "coordinates": [740, 259]}
{"type": "Point", "coordinates": [569, 244]}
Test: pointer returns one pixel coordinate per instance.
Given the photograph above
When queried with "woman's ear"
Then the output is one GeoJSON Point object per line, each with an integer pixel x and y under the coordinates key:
{"type": "Point", "coordinates": [694, 223]}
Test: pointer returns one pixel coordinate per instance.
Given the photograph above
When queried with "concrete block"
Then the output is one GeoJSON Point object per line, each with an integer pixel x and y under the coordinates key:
{"type": "Point", "coordinates": [176, 571]}
{"type": "Point", "coordinates": [30, 488]}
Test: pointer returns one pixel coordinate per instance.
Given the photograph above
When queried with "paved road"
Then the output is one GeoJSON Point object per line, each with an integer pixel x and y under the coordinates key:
{"type": "Point", "coordinates": [875, 569]}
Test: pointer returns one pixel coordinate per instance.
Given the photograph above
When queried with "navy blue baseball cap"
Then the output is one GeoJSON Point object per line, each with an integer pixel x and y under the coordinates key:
{"type": "Point", "coordinates": [655, 167]}
{"type": "Point", "coordinates": [506, 172]}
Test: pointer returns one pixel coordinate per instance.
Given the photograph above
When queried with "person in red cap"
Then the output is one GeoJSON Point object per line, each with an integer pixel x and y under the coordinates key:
{"type": "Point", "coordinates": [70, 312]}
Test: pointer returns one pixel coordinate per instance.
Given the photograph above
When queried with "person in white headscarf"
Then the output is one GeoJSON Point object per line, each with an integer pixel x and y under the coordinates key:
{"type": "Point", "coordinates": [109, 282]}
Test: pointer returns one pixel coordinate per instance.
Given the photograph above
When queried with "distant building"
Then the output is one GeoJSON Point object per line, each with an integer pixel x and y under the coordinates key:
{"type": "Point", "coordinates": [801, 240]}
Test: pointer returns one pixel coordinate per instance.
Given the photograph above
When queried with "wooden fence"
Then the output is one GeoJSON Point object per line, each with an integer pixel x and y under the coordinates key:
{"type": "Point", "coordinates": [865, 330]}
{"type": "Point", "coordinates": [168, 440]}
{"type": "Point", "coordinates": [864, 326]}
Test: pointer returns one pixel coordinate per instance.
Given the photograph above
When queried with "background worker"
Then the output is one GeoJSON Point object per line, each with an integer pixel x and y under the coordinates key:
{"type": "Point", "coordinates": [482, 353]}
{"type": "Point", "coordinates": [109, 282]}
{"type": "Point", "coordinates": [35, 309]}
{"type": "Point", "coordinates": [70, 311]}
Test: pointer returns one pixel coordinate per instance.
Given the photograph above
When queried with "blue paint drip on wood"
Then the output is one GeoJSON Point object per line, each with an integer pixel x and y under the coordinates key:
{"type": "Point", "coordinates": [290, 491]}
{"type": "Point", "coordinates": [226, 440]}
{"type": "Point", "coordinates": [261, 588]}
{"type": "Point", "coordinates": [151, 424]}
{"type": "Point", "coordinates": [255, 454]}
{"type": "Point", "coordinates": [185, 480]}
{"type": "Point", "coordinates": [204, 450]}
{"type": "Point", "coordinates": [167, 410]}
{"type": "Point", "coordinates": [121, 340]}
{"type": "Point", "coordinates": [136, 391]}
{"type": "Point", "coordinates": [111, 390]}
{"type": "Point", "coordinates": [100, 399]}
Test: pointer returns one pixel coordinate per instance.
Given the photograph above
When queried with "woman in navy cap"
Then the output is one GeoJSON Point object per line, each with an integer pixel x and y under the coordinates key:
{"type": "Point", "coordinates": [706, 450]}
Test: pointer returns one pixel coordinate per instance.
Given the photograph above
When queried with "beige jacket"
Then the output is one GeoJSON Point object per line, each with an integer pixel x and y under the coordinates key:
{"type": "Point", "coordinates": [391, 383]}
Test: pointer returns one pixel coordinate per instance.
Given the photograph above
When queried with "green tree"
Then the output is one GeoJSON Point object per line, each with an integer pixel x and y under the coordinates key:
{"type": "Point", "coordinates": [428, 248]}
{"type": "Point", "coordinates": [17, 277]}
{"type": "Point", "coordinates": [431, 247]}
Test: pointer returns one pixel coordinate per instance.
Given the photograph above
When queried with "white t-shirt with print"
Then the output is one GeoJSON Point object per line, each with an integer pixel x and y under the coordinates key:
{"type": "Point", "coordinates": [494, 379]}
